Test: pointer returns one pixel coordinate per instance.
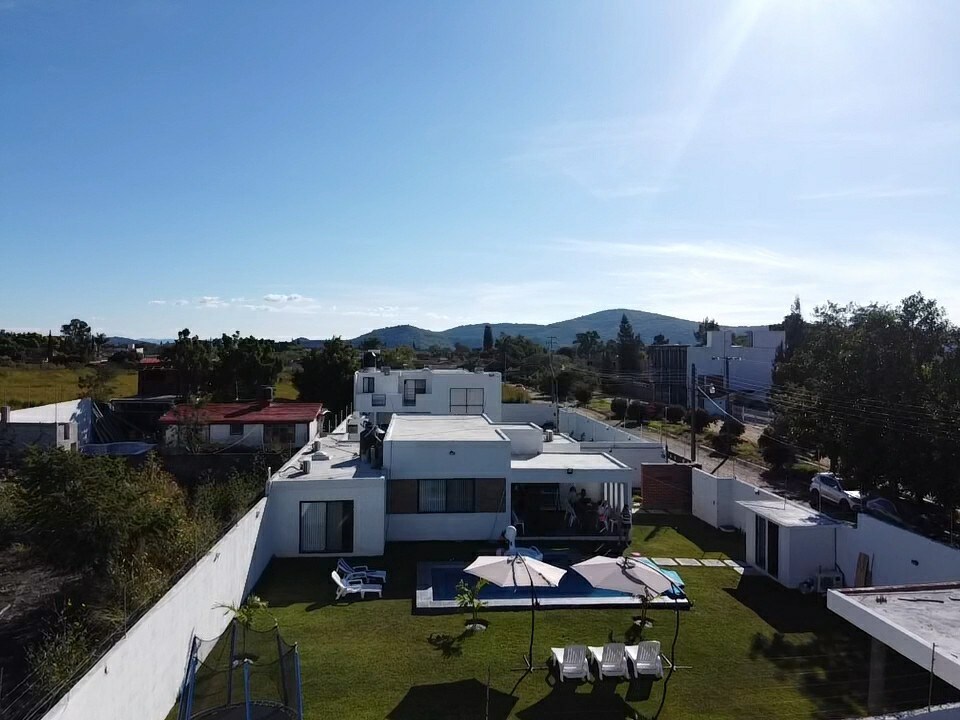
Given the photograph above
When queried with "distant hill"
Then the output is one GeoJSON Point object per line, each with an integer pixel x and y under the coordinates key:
{"type": "Point", "coordinates": [606, 322]}
{"type": "Point", "coordinates": [119, 341]}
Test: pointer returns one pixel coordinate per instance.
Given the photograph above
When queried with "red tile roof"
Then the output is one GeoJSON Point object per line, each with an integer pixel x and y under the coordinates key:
{"type": "Point", "coordinates": [247, 413]}
{"type": "Point", "coordinates": [149, 361]}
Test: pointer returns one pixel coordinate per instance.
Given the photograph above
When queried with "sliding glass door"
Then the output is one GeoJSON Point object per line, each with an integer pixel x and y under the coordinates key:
{"type": "Point", "coordinates": [326, 527]}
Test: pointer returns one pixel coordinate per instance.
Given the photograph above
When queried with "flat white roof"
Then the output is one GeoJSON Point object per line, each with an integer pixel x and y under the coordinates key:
{"type": "Point", "coordinates": [909, 619]}
{"type": "Point", "coordinates": [342, 463]}
{"type": "Point", "coordinates": [54, 412]}
{"type": "Point", "coordinates": [442, 428]}
{"type": "Point", "coordinates": [787, 514]}
{"type": "Point", "coordinates": [562, 461]}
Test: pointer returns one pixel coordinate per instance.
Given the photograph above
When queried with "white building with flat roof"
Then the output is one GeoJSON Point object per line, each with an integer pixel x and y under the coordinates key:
{"type": "Point", "coordinates": [441, 477]}
{"type": "Point", "coordinates": [380, 393]}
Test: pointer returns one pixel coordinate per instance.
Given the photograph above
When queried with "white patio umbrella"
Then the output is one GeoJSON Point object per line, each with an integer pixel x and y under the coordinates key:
{"type": "Point", "coordinates": [625, 574]}
{"type": "Point", "coordinates": [518, 571]}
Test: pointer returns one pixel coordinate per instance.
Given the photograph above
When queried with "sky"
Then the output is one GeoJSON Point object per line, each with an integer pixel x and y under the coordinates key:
{"type": "Point", "coordinates": [310, 169]}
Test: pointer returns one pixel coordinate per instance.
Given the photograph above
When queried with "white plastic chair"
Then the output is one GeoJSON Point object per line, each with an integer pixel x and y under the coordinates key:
{"type": "Point", "coordinates": [517, 522]}
{"type": "Point", "coordinates": [361, 571]}
{"type": "Point", "coordinates": [570, 518]}
{"type": "Point", "coordinates": [611, 660]}
{"type": "Point", "coordinates": [353, 585]}
{"type": "Point", "coordinates": [645, 658]}
{"type": "Point", "coordinates": [571, 662]}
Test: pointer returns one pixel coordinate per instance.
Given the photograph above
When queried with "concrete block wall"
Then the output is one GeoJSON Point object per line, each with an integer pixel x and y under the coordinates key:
{"type": "Point", "coordinates": [140, 676]}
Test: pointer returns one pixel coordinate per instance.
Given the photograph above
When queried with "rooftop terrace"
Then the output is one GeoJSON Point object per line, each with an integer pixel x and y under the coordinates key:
{"type": "Point", "coordinates": [562, 461]}
{"type": "Point", "coordinates": [442, 428]}
{"type": "Point", "coordinates": [342, 462]}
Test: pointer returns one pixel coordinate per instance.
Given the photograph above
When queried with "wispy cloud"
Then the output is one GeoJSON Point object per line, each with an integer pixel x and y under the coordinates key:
{"type": "Point", "coordinates": [877, 192]}
{"type": "Point", "coordinates": [181, 303]}
{"type": "Point", "coordinates": [282, 298]}
{"type": "Point", "coordinates": [211, 301]}
{"type": "Point", "coordinates": [157, 302]}
{"type": "Point", "coordinates": [707, 251]}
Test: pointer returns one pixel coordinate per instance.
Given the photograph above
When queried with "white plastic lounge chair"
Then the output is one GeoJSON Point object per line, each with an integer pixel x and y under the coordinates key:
{"type": "Point", "coordinates": [645, 658]}
{"type": "Point", "coordinates": [571, 662]}
{"type": "Point", "coordinates": [353, 585]}
{"type": "Point", "coordinates": [517, 522]}
{"type": "Point", "coordinates": [611, 660]}
{"type": "Point", "coordinates": [361, 571]}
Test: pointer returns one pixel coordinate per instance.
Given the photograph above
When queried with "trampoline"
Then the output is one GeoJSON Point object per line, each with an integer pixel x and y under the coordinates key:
{"type": "Point", "coordinates": [244, 674]}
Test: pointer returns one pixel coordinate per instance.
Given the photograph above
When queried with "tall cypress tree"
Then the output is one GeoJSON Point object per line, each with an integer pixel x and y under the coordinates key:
{"type": "Point", "coordinates": [627, 349]}
{"type": "Point", "coordinates": [487, 338]}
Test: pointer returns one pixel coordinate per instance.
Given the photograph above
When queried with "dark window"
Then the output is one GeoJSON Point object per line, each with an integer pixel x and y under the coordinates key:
{"type": "Point", "coordinates": [279, 435]}
{"type": "Point", "coordinates": [455, 495]}
{"type": "Point", "coordinates": [466, 401]}
{"type": "Point", "coordinates": [773, 548]}
{"type": "Point", "coordinates": [409, 393]}
{"type": "Point", "coordinates": [378, 400]}
{"type": "Point", "coordinates": [236, 429]}
{"type": "Point", "coordinates": [420, 387]}
{"type": "Point", "coordinates": [368, 384]}
{"type": "Point", "coordinates": [326, 527]}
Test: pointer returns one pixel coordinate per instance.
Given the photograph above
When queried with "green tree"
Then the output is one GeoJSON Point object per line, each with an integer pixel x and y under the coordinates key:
{"type": "Point", "coordinates": [99, 340]}
{"type": "Point", "coordinates": [628, 348]}
{"type": "Point", "coordinates": [705, 326]}
{"type": "Point", "coordinates": [242, 366]}
{"type": "Point", "coordinates": [326, 375]}
{"type": "Point", "coordinates": [398, 357]}
{"type": "Point", "coordinates": [588, 344]}
{"type": "Point", "coordinates": [98, 383]}
{"type": "Point", "coordinates": [192, 359]}
{"type": "Point", "coordinates": [371, 343]}
{"type": "Point", "coordinates": [77, 338]}
{"type": "Point", "coordinates": [487, 338]}
{"type": "Point", "coordinates": [774, 450]}
{"type": "Point", "coordinates": [660, 339]}
{"type": "Point", "coordinates": [618, 406]}
{"type": "Point", "coordinates": [582, 392]}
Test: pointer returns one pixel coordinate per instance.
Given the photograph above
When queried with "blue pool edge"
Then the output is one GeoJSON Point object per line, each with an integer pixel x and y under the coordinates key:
{"type": "Point", "coordinates": [425, 602]}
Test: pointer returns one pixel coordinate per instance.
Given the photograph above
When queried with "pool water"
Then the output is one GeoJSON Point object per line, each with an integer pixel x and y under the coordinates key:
{"type": "Point", "coordinates": [571, 585]}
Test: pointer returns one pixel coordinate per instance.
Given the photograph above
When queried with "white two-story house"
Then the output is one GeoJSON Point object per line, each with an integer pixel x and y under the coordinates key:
{"type": "Point", "coordinates": [379, 393]}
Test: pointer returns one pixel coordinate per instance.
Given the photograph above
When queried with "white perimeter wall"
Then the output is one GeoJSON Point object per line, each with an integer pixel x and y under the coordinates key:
{"type": "Point", "coordinates": [281, 526]}
{"type": "Point", "coordinates": [715, 499]}
{"type": "Point", "coordinates": [892, 551]}
{"type": "Point", "coordinates": [140, 676]}
{"type": "Point", "coordinates": [538, 413]}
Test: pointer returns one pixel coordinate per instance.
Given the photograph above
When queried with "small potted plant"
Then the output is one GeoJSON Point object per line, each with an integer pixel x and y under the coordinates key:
{"type": "Point", "coordinates": [468, 596]}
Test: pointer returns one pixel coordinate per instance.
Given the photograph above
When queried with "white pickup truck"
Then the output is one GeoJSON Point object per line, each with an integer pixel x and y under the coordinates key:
{"type": "Point", "coordinates": [827, 486]}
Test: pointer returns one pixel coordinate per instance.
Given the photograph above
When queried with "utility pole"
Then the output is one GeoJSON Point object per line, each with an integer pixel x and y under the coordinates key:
{"type": "Point", "coordinates": [693, 413]}
{"type": "Point", "coordinates": [726, 372]}
{"type": "Point", "coordinates": [553, 384]}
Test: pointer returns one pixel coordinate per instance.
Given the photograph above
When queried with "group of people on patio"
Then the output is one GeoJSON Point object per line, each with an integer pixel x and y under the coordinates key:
{"type": "Point", "coordinates": [583, 513]}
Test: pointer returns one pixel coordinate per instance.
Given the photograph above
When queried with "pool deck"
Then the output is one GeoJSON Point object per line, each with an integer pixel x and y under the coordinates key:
{"type": "Point", "coordinates": [424, 602]}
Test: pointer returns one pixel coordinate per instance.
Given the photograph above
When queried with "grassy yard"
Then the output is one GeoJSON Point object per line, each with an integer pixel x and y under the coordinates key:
{"type": "Point", "coordinates": [747, 648]}
{"type": "Point", "coordinates": [285, 389]}
{"type": "Point", "coordinates": [663, 535]}
{"type": "Point", "coordinates": [28, 386]}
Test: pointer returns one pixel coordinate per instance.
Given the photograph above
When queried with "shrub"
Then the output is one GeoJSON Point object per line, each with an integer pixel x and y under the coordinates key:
{"type": "Point", "coordinates": [723, 443]}
{"type": "Point", "coordinates": [618, 406]}
{"type": "Point", "coordinates": [675, 413]}
{"type": "Point", "coordinates": [773, 451]}
{"type": "Point", "coordinates": [699, 418]}
{"type": "Point", "coordinates": [636, 410]}
{"type": "Point", "coordinates": [655, 410]}
{"type": "Point", "coordinates": [11, 508]}
{"type": "Point", "coordinates": [733, 428]}
{"type": "Point", "coordinates": [468, 597]}
{"type": "Point", "coordinates": [65, 646]}
{"type": "Point", "coordinates": [582, 393]}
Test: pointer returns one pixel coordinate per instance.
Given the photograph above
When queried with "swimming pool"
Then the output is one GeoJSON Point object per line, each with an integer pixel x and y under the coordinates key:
{"type": "Point", "coordinates": [445, 579]}
{"type": "Point", "coordinates": [437, 590]}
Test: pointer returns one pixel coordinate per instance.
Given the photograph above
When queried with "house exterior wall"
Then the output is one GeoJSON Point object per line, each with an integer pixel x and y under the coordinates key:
{"type": "Point", "coordinates": [752, 372]}
{"type": "Point", "coordinates": [282, 526]}
{"type": "Point", "coordinates": [446, 459]}
{"type": "Point", "coordinates": [666, 486]}
{"type": "Point", "coordinates": [140, 676]}
{"type": "Point", "coordinates": [524, 439]}
{"type": "Point", "coordinates": [252, 436]}
{"type": "Point", "coordinates": [79, 412]}
{"type": "Point", "coordinates": [812, 550]}
{"type": "Point", "coordinates": [436, 399]}
{"type": "Point", "coordinates": [535, 412]}
{"type": "Point", "coordinates": [893, 551]}
{"type": "Point", "coordinates": [445, 526]}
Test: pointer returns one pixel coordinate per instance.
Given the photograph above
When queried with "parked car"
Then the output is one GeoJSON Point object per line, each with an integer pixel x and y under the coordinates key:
{"type": "Point", "coordinates": [827, 486]}
{"type": "Point", "coordinates": [923, 518]}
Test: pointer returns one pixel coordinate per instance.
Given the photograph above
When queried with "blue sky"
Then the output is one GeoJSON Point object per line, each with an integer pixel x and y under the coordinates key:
{"type": "Point", "coordinates": [302, 168]}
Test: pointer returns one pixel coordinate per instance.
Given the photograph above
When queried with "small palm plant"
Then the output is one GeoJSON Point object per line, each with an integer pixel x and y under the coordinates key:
{"type": "Point", "coordinates": [468, 596]}
{"type": "Point", "coordinates": [247, 613]}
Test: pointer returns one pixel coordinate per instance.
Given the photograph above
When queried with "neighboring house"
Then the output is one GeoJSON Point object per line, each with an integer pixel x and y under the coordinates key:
{"type": "Point", "coordinates": [748, 354]}
{"type": "Point", "coordinates": [66, 425]}
{"type": "Point", "coordinates": [153, 379]}
{"type": "Point", "coordinates": [441, 478]}
{"type": "Point", "coordinates": [381, 392]}
{"type": "Point", "coordinates": [258, 424]}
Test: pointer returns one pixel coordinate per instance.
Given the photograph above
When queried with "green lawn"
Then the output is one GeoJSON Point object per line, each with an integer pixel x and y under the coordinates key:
{"type": "Point", "coordinates": [748, 648]}
{"type": "Point", "coordinates": [27, 386]}
{"type": "Point", "coordinates": [656, 535]}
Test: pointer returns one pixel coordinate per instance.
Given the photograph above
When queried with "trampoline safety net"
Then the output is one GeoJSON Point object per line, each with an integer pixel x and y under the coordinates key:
{"type": "Point", "coordinates": [244, 674]}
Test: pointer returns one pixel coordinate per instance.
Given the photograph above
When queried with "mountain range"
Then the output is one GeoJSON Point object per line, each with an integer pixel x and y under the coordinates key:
{"type": "Point", "coordinates": [606, 322]}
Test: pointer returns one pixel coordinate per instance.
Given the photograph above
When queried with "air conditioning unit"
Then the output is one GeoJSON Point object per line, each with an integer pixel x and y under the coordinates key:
{"type": "Point", "coordinates": [305, 467]}
{"type": "Point", "coordinates": [548, 436]}
{"type": "Point", "coordinates": [830, 580]}
{"type": "Point", "coordinates": [320, 456]}
{"type": "Point", "coordinates": [386, 370]}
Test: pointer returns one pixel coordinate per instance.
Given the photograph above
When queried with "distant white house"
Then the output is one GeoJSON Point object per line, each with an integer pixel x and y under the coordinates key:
{"type": "Point", "coordinates": [749, 353]}
{"type": "Point", "coordinates": [435, 477]}
{"type": "Point", "coordinates": [379, 393]}
{"type": "Point", "coordinates": [257, 424]}
{"type": "Point", "coordinates": [66, 425]}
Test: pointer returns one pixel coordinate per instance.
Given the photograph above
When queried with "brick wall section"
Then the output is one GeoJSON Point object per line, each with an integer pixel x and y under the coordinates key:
{"type": "Point", "coordinates": [667, 487]}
